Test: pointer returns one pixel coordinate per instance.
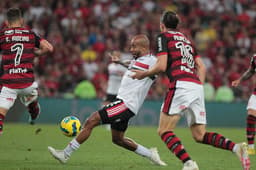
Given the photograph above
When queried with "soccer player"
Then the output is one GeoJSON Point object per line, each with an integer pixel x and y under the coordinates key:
{"type": "Point", "coordinates": [129, 99]}
{"type": "Point", "coordinates": [19, 46]}
{"type": "Point", "coordinates": [251, 106]}
{"type": "Point", "coordinates": [177, 57]}
{"type": "Point", "coordinates": [115, 72]}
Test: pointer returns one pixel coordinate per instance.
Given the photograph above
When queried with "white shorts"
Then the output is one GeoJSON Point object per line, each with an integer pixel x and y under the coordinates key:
{"type": "Point", "coordinates": [187, 98]}
{"type": "Point", "coordinates": [252, 102]}
{"type": "Point", "coordinates": [26, 95]}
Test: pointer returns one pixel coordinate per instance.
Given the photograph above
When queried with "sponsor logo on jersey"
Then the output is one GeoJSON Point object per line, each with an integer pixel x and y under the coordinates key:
{"type": "Point", "coordinates": [18, 70]}
{"type": "Point", "coordinates": [9, 32]}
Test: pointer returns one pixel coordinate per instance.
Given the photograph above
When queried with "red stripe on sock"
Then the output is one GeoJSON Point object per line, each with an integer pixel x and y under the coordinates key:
{"type": "Point", "coordinates": [209, 137]}
{"type": "Point", "coordinates": [184, 156]}
{"type": "Point", "coordinates": [217, 140]}
{"type": "Point", "coordinates": [166, 136]}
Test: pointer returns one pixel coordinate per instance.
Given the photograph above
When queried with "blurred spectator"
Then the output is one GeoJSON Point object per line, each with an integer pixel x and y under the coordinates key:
{"type": "Point", "coordinates": [85, 90]}
{"type": "Point", "coordinates": [82, 32]}
{"type": "Point", "coordinates": [209, 92]}
{"type": "Point", "coordinates": [224, 93]}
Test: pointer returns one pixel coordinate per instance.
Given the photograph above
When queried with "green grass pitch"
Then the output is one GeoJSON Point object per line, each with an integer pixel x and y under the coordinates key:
{"type": "Point", "coordinates": [21, 148]}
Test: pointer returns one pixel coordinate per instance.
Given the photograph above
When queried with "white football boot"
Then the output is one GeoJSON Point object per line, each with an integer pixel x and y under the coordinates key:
{"type": "Point", "coordinates": [58, 154]}
{"type": "Point", "coordinates": [190, 165]}
{"type": "Point", "coordinates": [242, 154]}
{"type": "Point", "coordinates": [155, 158]}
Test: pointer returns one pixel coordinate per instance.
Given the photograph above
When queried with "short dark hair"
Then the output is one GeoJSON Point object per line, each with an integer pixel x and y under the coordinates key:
{"type": "Point", "coordinates": [170, 19]}
{"type": "Point", "coordinates": [13, 14]}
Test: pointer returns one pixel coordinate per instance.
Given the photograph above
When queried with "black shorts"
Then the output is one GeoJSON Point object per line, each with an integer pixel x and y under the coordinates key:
{"type": "Point", "coordinates": [116, 114]}
{"type": "Point", "coordinates": [110, 98]}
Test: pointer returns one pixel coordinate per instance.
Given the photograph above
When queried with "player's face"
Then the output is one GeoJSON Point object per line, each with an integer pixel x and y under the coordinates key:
{"type": "Point", "coordinates": [135, 49]}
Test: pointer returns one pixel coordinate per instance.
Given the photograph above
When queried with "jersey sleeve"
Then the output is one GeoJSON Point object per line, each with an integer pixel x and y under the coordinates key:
{"type": "Point", "coordinates": [161, 45]}
{"type": "Point", "coordinates": [37, 40]}
{"type": "Point", "coordinates": [253, 61]}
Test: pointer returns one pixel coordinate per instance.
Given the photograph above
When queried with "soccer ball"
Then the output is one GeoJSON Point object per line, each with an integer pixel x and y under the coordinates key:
{"type": "Point", "coordinates": [70, 126]}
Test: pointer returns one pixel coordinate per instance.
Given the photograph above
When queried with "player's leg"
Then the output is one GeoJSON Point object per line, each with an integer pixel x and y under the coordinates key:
{"type": "Point", "coordinates": [219, 141]}
{"type": "Point", "coordinates": [250, 130]}
{"type": "Point", "coordinates": [250, 123]}
{"type": "Point", "coordinates": [63, 155]}
{"type": "Point", "coordinates": [29, 97]}
{"type": "Point", "coordinates": [118, 138]}
{"type": "Point", "coordinates": [167, 124]}
{"type": "Point", "coordinates": [107, 100]}
{"type": "Point", "coordinates": [211, 138]}
{"type": "Point", "coordinates": [106, 115]}
{"type": "Point", "coordinates": [196, 117]}
{"type": "Point", "coordinates": [3, 113]}
{"type": "Point", "coordinates": [7, 99]}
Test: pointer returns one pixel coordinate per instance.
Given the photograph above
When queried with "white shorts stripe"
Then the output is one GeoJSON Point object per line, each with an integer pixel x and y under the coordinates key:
{"type": "Point", "coordinates": [116, 109]}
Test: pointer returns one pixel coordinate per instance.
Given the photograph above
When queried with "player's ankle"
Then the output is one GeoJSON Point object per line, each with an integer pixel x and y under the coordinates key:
{"type": "Point", "coordinates": [1, 129]}
{"type": "Point", "coordinates": [1, 123]}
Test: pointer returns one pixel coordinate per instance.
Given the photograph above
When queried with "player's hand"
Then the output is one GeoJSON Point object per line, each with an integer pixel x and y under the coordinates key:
{"type": "Point", "coordinates": [235, 83]}
{"type": "Point", "coordinates": [37, 51]}
{"type": "Point", "coordinates": [138, 74]}
{"type": "Point", "coordinates": [115, 56]}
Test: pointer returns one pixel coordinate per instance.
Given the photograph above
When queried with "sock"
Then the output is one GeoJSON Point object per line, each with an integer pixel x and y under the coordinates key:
{"type": "Point", "coordinates": [250, 129]}
{"type": "Point", "coordinates": [217, 140]}
{"type": "Point", "coordinates": [141, 150]}
{"type": "Point", "coordinates": [1, 122]}
{"type": "Point", "coordinates": [72, 146]}
{"type": "Point", "coordinates": [34, 109]}
{"type": "Point", "coordinates": [174, 145]}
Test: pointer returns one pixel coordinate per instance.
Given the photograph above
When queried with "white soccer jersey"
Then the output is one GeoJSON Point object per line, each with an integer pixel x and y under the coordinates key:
{"type": "Point", "coordinates": [133, 91]}
{"type": "Point", "coordinates": [116, 72]}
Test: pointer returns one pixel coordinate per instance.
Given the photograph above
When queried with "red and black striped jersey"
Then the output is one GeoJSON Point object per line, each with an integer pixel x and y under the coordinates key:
{"type": "Point", "coordinates": [17, 48]}
{"type": "Point", "coordinates": [181, 56]}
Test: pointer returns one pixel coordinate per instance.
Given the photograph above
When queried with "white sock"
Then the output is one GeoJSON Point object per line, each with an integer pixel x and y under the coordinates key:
{"type": "Point", "coordinates": [72, 146]}
{"type": "Point", "coordinates": [141, 150]}
{"type": "Point", "coordinates": [234, 148]}
{"type": "Point", "coordinates": [251, 146]}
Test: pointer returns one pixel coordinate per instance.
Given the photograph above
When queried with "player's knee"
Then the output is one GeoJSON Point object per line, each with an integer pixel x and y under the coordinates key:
{"type": "Point", "coordinates": [117, 141]}
{"type": "Point", "coordinates": [92, 121]}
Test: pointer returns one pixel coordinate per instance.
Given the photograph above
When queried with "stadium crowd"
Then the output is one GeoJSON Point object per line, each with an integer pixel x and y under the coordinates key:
{"type": "Point", "coordinates": [84, 31]}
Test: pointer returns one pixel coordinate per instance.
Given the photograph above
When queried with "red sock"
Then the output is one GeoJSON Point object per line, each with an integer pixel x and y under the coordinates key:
{"type": "Point", "coordinates": [250, 128]}
{"type": "Point", "coordinates": [1, 122]}
{"type": "Point", "coordinates": [218, 141]}
{"type": "Point", "coordinates": [174, 145]}
{"type": "Point", "coordinates": [34, 109]}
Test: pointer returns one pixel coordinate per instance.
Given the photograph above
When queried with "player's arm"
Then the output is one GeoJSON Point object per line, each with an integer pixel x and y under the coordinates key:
{"type": "Point", "coordinates": [161, 63]}
{"type": "Point", "coordinates": [200, 69]}
{"type": "Point", "coordinates": [124, 63]}
{"type": "Point", "coordinates": [115, 57]}
{"type": "Point", "coordinates": [44, 48]}
{"type": "Point", "coordinates": [247, 74]}
{"type": "Point", "coordinates": [160, 66]}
